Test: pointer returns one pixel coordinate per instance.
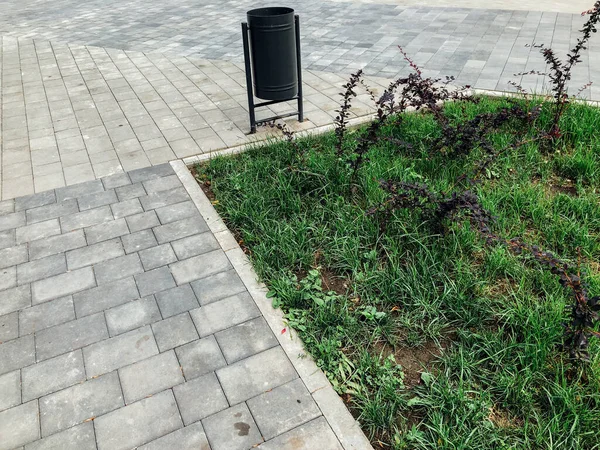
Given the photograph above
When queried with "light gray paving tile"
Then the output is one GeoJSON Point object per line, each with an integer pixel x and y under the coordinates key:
{"type": "Point", "coordinates": [108, 355]}
{"type": "Point", "coordinates": [176, 300]}
{"type": "Point", "coordinates": [96, 200]}
{"type": "Point", "coordinates": [158, 256]}
{"type": "Point", "coordinates": [15, 299]}
{"type": "Point", "coordinates": [224, 314]}
{"type": "Point", "coordinates": [70, 336]}
{"type": "Point", "coordinates": [46, 315]}
{"type": "Point", "coordinates": [8, 277]}
{"type": "Point", "coordinates": [10, 390]}
{"type": "Point", "coordinates": [19, 425]}
{"type": "Point", "coordinates": [9, 326]}
{"type": "Point", "coordinates": [105, 296]}
{"type": "Point", "coordinates": [117, 268]}
{"type": "Point", "coordinates": [86, 219]}
{"type": "Point", "coordinates": [80, 403]}
{"type": "Point", "coordinates": [195, 245]}
{"type": "Point", "coordinates": [52, 211]}
{"type": "Point", "coordinates": [200, 357]}
{"type": "Point", "coordinates": [206, 389]}
{"type": "Point", "coordinates": [146, 420]}
{"type": "Point", "coordinates": [216, 287]}
{"type": "Point", "coordinates": [95, 253]}
{"type": "Point", "coordinates": [106, 231]}
{"type": "Point", "coordinates": [154, 281]}
{"type": "Point", "coordinates": [149, 173]}
{"type": "Point", "coordinates": [131, 191]}
{"type": "Point", "coordinates": [13, 220]}
{"type": "Point", "coordinates": [191, 437]}
{"type": "Point", "coordinates": [283, 408]}
{"type": "Point", "coordinates": [62, 285]}
{"type": "Point", "coordinates": [17, 354]}
{"type": "Point", "coordinates": [314, 434]}
{"type": "Point", "coordinates": [174, 331]}
{"type": "Point", "coordinates": [41, 268]}
{"type": "Point", "coordinates": [246, 339]}
{"type": "Point", "coordinates": [127, 208]}
{"type": "Point", "coordinates": [7, 238]}
{"type": "Point", "coordinates": [79, 190]}
{"type": "Point", "coordinates": [37, 230]}
{"type": "Point", "coordinates": [80, 437]}
{"type": "Point", "coordinates": [142, 221]}
{"type": "Point", "coordinates": [56, 244]}
{"type": "Point", "coordinates": [180, 229]}
{"type": "Point", "coordinates": [35, 200]}
{"type": "Point", "coordinates": [200, 266]}
{"type": "Point", "coordinates": [138, 241]}
{"type": "Point", "coordinates": [161, 184]}
{"type": "Point", "coordinates": [52, 375]}
{"type": "Point", "coordinates": [132, 315]}
{"type": "Point", "coordinates": [12, 256]}
{"type": "Point", "coordinates": [149, 376]}
{"type": "Point", "coordinates": [163, 198]}
{"type": "Point", "coordinates": [232, 429]}
{"type": "Point", "coordinates": [257, 374]}
{"type": "Point", "coordinates": [116, 180]}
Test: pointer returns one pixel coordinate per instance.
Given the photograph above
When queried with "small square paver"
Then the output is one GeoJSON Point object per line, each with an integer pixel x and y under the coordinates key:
{"type": "Point", "coordinates": [132, 315]}
{"type": "Point", "coordinates": [150, 376]}
{"type": "Point", "coordinates": [138, 241]}
{"type": "Point", "coordinates": [283, 408]}
{"type": "Point", "coordinates": [176, 300]}
{"type": "Point", "coordinates": [195, 245]}
{"type": "Point", "coordinates": [154, 281]}
{"type": "Point", "coordinates": [158, 256]}
{"type": "Point", "coordinates": [224, 314]}
{"type": "Point", "coordinates": [146, 420]}
{"type": "Point", "coordinates": [200, 357]}
{"type": "Point", "coordinates": [254, 375]}
{"type": "Point", "coordinates": [200, 398]}
{"type": "Point", "coordinates": [232, 429]}
{"type": "Point", "coordinates": [17, 354]}
{"type": "Point", "coordinates": [246, 339]}
{"type": "Point", "coordinates": [174, 331]}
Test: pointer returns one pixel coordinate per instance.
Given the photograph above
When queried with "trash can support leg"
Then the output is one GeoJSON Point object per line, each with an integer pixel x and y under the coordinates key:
{"type": "Point", "coordinates": [248, 78]}
{"type": "Point", "coordinates": [299, 65]}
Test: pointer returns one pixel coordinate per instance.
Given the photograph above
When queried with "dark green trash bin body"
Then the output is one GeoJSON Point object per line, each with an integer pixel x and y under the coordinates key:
{"type": "Point", "coordinates": [273, 51]}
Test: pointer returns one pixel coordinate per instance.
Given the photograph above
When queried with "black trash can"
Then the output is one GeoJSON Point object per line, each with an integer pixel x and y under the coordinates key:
{"type": "Point", "coordinates": [273, 53]}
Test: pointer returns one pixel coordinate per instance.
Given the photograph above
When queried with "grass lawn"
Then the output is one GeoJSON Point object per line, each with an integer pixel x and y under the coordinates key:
{"type": "Point", "coordinates": [435, 340]}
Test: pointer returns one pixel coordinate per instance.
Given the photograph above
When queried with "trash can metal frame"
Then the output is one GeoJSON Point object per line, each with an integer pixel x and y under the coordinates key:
{"type": "Point", "coordinates": [251, 105]}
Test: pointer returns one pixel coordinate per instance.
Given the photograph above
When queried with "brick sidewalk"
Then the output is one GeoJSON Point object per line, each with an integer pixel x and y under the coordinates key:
{"type": "Point", "coordinates": [118, 306]}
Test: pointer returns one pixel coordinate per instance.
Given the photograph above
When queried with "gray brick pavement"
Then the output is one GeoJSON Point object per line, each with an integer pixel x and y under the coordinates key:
{"type": "Point", "coordinates": [156, 342]}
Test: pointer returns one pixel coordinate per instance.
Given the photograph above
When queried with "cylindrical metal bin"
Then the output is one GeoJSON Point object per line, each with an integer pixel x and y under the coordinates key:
{"type": "Point", "coordinates": [273, 50]}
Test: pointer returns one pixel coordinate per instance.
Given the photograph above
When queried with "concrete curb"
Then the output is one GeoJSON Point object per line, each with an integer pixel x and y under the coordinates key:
{"type": "Point", "coordinates": [342, 423]}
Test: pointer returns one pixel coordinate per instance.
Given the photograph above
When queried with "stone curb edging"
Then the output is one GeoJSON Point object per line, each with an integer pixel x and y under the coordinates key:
{"type": "Point", "coordinates": [343, 424]}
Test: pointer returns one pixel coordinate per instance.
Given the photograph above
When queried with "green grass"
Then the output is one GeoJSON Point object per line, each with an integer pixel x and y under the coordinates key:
{"type": "Point", "coordinates": [500, 379]}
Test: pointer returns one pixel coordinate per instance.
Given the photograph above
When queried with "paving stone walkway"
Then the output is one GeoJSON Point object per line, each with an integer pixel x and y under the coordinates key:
{"type": "Point", "coordinates": [123, 324]}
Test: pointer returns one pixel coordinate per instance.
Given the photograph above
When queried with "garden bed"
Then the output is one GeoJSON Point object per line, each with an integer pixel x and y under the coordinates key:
{"type": "Point", "coordinates": [434, 337]}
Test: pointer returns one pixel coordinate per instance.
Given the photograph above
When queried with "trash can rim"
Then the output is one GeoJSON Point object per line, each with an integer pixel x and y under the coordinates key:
{"type": "Point", "coordinates": [270, 11]}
